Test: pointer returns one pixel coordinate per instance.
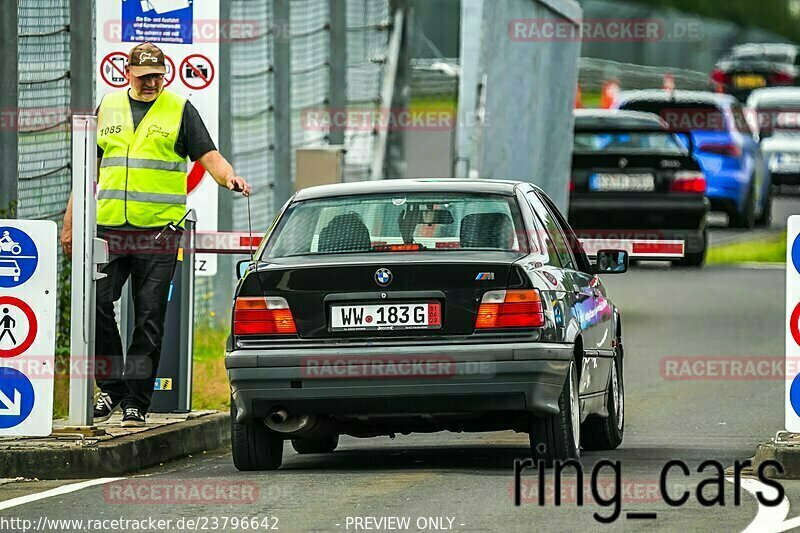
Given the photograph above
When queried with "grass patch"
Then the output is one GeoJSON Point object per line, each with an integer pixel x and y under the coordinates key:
{"type": "Point", "coordinates": [210, 389]}
{"type": "Point", "coordinates": [433, 103]}
{"type": "Point", "coordinates": [771, 250]}
{"type": "Point", "coordinates": [61, 396]}
{"type": "Point", "coordinates": [590, 99]}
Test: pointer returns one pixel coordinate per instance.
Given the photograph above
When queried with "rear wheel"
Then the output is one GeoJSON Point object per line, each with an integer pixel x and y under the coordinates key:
{"type": "Point", "coordinates": [765, 219]}
{"type": "Point", "coordinates": [558, 437]}
{"type": "Point", "coordinates": [326, 445]}
{"type": "Point", "coordinates": [746, 219]}
{"type": "Point", "coordinates": [695, 258]}
{"type": "Point", "coordinates": [255, 446]}
{"type": "Point", "coordinates": [605, 433]}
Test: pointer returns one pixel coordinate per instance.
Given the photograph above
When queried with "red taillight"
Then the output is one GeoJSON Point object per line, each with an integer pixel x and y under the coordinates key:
{"type": "Point", "coordinates": [688, 182]}
{"type": "Point", "coordinates": [781, 78]}
{"type": "Point", "coordinates": [571, 186]}
{"type": "Point", "coordinates": [720, 77]}
{"type": "Point", "coordinates": [510, 309]}
{"type": "Point", "coordinates": [728, 149]}
{"type": "Point", "coordinates": [262, 316]}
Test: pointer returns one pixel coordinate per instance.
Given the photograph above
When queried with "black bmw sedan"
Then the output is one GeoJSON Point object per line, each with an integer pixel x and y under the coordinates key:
{"type": "Point", "coordinates": [634, 179]}
{"type": "Point", "coordinates": [400, 306]}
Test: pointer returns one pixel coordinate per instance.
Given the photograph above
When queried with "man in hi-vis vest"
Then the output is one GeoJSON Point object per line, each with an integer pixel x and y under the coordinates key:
{"type": "Point", "coordinates": [145, 134]}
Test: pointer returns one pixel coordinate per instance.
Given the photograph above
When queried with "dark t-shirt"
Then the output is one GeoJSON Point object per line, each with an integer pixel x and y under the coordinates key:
{"type": "Point", "coordinates": [193, 139]}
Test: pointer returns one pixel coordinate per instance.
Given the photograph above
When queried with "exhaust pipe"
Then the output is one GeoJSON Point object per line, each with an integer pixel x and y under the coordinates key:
{"type": "Point", "coordinates": [281, 421]}
{"type": "Point", "coordinates": [279, 416]}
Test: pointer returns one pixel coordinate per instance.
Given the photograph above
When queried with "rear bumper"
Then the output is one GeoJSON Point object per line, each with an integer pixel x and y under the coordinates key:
{"type": "Point", "coordinates": [728, 191]}
{"type": "Point", "coordinates": [787, 178]}
{"type": "Point", "coordinates": [608, 212]}
{"type": "Point", "coordinates": [463, 379]}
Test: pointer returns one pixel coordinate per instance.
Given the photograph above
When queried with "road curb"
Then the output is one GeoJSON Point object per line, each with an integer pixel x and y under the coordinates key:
{"type": "Point", "coordinates": [121, 455]}
{"type": "Point", "coordinates": [786, 454]}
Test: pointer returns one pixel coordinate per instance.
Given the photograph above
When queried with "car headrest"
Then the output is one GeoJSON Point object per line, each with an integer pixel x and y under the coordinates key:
{"type": "Point", "coordinates": [487, 230]}
{"type": "Point", "coordinates": [345, 233]}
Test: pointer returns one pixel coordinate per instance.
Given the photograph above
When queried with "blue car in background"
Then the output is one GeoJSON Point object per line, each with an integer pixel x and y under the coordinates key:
{"type": "Point", "coordinates": [738, 179]}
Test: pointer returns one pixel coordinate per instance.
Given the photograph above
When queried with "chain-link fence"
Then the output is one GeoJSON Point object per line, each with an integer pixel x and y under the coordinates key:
{"type": "Point", "coordinates": [252, 141]}
{"type": "Point", "coordinates": [253, 72]}
{"type": "Point", "coordinates": [45, 90]}
{"type": "Point", "coordinates": [367, 42]}
{"type": "Point", "coordinates": [44, 102]}
{"type": "Point", "coordinates": [251, 112]}
{"type": "Point", "coordinates": [42, 120]}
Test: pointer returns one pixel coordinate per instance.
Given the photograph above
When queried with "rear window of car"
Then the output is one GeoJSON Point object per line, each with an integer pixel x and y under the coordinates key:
{"type": "Point", "coordinates": [683, 116]}
{"type": "Point", "coordinates": [627, 142]}
{"type": "Point", "coordinates": [771, 57]}
{"type": "Point", "coordinates": [405, 222]}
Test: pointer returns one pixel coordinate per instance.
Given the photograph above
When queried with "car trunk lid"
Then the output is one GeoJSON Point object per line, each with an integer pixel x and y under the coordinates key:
{"type": "Point", "coordinates": [455, 280]}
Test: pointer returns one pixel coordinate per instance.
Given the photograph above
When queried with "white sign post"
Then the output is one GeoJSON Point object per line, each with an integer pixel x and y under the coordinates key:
{"type": "Point", "coordinates": [27, 326]}
{"type": "Point", "coordinates": [188, 31]}
{"type": "Point", "coordinates": [792, 361]}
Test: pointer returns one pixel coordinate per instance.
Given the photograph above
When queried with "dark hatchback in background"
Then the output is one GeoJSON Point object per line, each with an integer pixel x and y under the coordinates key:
{"type": "Point", "coordinates": [752, 66]}
{"type": "Point", "coordinates": [632, 178]}
{"type": "Point", "coordinates": [399, 306]}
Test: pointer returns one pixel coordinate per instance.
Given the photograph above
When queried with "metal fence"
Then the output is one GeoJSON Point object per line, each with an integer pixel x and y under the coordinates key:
{"type": "Point", "coordinates": [593, 72]}
{"type": "Point", "coordinates": [683, 40]}
{"type": "Point", "coordinates": [367, 42]}
{"type": "Point", "coordinates": [44, 102]}
{"type": "Point", "coordinates": [44, 89]}
{"type": "Point", "coordinates": [253, 106]}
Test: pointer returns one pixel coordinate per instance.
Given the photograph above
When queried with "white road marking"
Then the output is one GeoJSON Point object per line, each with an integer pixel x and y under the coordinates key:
{"type": "Point", "coordinates": [768, 519]}
{"type": "Point", "coordinates": [58, 491]}
{"type": "Point", "coordinates": [762, 266]}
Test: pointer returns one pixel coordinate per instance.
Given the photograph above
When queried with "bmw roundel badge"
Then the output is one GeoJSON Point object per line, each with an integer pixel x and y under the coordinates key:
{"type": "Point", "coordinates": [383, 277]}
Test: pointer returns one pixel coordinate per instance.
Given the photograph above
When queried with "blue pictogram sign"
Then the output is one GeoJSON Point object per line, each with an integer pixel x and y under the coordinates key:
{"type": "Point", "coordinates": [18, 257]}
{"type": "Point", "coordinates": [158, 21]}
{"type": "Point", "coordinates": [796, 253]}
{"type": "Point", "coordinates": [16, 397]}
{"type": "Point", "coordinates": [794, 394]}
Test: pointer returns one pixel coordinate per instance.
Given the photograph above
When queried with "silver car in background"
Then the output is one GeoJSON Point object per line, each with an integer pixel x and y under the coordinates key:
{"type": "Point", "coordinates": [774, 114]}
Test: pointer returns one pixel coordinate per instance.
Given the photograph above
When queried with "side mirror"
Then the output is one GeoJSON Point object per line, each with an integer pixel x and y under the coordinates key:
{"type": "Point", "coordinates": [611, 262]}
{"type": "Point", "coordinates": [241, 268]}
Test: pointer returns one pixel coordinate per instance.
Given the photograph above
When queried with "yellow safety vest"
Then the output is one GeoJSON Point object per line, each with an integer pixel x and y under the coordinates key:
{"type": "Point", "coordinates": [142, 180]}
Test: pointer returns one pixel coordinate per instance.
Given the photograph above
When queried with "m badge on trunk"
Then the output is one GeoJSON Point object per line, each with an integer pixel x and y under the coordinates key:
{"type": "Point", "coordinates": [383, 277]}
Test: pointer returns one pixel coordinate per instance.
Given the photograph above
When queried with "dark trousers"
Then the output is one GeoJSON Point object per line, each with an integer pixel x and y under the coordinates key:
{"type": "Point", "coordinates": [134, 255]}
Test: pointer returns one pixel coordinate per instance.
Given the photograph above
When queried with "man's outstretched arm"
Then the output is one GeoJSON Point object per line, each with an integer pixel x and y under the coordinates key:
{"type": "Point", "coordinates": [223, 172]}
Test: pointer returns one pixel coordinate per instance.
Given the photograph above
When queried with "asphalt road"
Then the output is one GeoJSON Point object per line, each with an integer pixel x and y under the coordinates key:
{"type": "Point", "coordinates": [667, 313]}
{"type": "Point", "coordinates": [782, 207]}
